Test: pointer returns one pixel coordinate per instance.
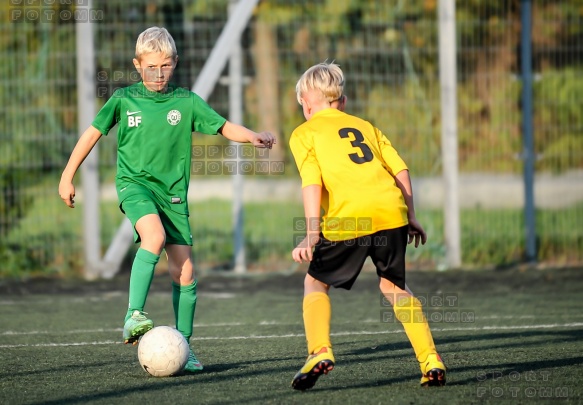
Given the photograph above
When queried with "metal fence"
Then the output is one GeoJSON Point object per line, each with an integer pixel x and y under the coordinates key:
{"type": "Point", "coordinates": [388, 51]}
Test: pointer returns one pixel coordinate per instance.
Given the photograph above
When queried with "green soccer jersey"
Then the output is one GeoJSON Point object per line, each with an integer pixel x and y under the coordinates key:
{"type": "Point", "coordinates": [155, 139]}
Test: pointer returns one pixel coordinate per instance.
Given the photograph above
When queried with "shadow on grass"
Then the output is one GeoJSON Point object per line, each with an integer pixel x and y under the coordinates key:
{"type": "Point", "coordinates": [505, 369]}
{"type": "Point", "coordinates": [565, 335]}
{"type": "Point", "coordinates": [68, 368]}
{"type": "Point", "coordinates": [517, 340]}
{"type": "Point", "coordinates": [280, 368]}
{"type": "Point", "coordinates": [217, 373]}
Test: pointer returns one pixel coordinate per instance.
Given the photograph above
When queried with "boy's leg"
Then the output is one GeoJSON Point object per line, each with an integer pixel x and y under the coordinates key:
{"type": "Point", "coordinates": [152, 236]}
{"type": "Point", "coordinates": [333, 263]}
{"type": "Point", "coordinates": [184, 304]}
{"type": "Point", "coordinates": [183, 295]}
{"type": "Point", "coordinates": [409, 312]}
{"type": "Point", "coordinates": [140, 280]}
{"type": "Point", "coordinates": [317, 313]}
{"type": "Point", "coordinates": [388, 255]}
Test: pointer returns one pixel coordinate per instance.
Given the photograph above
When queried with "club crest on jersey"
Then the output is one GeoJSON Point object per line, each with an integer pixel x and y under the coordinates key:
{"type": "Point", "coordinates": [173, 117]}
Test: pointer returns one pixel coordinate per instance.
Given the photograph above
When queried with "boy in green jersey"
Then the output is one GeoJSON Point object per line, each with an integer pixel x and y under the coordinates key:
{"type": "Point", "coordinates": [155, 123]}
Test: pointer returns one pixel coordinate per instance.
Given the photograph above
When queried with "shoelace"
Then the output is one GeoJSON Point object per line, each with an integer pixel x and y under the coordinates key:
{"type": "Point", "coordinates": [192, 357]}
{"type": "Point", "coordinates": [140, 316]}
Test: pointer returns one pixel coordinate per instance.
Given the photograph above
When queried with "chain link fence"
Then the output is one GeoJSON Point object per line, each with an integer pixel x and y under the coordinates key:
{"type": "Point", "coordinates": [388, 51]}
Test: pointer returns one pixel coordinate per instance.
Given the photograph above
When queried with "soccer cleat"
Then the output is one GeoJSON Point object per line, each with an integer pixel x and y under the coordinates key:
{"type": "Point", "coordinates": [192, 365]}
{"type": "Point", "coordinates": [316, 365]}
{"type": "Point", "coordinates": [136, 325]}
{"type": "Point", "coordinates": [433, 372]}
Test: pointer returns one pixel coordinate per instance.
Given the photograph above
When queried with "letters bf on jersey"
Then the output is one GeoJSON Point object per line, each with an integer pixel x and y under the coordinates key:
{"type": "Point", "coordinates": [133, 119]}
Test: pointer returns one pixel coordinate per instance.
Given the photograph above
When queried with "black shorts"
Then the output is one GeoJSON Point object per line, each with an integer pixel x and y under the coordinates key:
{"type": "Point", "coordinates": [338, 263]}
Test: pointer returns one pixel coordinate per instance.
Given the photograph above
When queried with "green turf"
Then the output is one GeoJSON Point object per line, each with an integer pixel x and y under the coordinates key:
{"type": "Point", "coordinates": [519, 341]}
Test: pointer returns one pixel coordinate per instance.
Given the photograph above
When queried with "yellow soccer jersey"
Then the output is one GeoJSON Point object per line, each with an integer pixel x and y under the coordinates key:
{"type": "Point", "coordinates": [354, 163]}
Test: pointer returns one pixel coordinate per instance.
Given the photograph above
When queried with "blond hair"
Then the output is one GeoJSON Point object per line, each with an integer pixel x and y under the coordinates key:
{"type": "Point", "coordinates": [156, 39]}
{"type": "Point", "coordinates": [325, 77]}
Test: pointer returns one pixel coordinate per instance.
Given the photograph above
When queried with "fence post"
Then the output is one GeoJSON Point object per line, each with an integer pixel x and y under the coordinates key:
{"type": "Point", "coordinates": [236, 116]}
{"type": "Point", "coordinates": [90, 168]}
{"type": "Point", "coordinates": [449, 141]}
{"type": "Point", "coordinates": [527, 131]}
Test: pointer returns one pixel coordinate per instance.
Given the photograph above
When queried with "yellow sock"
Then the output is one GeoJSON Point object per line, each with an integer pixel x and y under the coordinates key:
{"type": "Point", "coordinates": [409, 312]}
{"type": "Point", "coordinates": [317, 315]}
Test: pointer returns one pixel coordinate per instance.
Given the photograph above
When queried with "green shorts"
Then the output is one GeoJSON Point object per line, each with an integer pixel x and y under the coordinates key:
{"type": "Point", "coordinates": [139, 201]}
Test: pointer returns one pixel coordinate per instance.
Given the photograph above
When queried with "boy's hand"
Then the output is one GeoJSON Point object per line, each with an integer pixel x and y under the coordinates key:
{"type": "Point", "coordinates": [67, 193]}
{"type": "Point", "coordinates": [304, 249]}
{"type": "Point", "coordinates": [416, 232]}
{"type": "Point", "coordinates": [263, 140]}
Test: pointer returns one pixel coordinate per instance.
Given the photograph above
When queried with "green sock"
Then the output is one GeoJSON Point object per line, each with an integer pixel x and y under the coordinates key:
{"type": "Point", "coordinates": [184, 302]}
{"type": "Point", "coordinates": [140, 280]}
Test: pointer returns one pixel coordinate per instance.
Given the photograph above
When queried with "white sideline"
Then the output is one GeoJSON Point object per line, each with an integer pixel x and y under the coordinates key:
{"type": "Point", "coordinates": [298, 335]}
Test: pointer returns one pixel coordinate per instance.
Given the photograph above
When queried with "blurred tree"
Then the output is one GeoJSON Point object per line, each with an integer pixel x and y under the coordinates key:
{"type": "Point", "coordinates": [267, 78]}
{"type": "Point", "coordinates": [173, 14]}
{"type": "Point", "coordinates": [34, 117]}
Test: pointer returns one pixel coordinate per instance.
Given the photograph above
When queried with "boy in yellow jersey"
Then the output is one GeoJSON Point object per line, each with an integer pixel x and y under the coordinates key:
{"type": "Point", "coordinates": [351, 171]}
{"type": "Point", "coordinates": [156, 120]}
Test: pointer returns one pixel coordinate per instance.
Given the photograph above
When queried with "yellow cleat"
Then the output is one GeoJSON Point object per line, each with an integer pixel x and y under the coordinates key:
{"type": "Point", "coordinates": [316, 365]}
{"type": "Point", "coordinates": [433, 371]}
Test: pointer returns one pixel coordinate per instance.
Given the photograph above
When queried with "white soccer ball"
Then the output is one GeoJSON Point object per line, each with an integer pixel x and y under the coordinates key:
{"type": "Point", "coordinates": [163, 351]}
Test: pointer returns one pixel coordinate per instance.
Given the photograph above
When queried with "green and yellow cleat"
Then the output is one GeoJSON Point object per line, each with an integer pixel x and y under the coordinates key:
{"type": "Point", "coordinates": [316, 365]}
{"type": "Point", "coordinates": [137, 325]}
{"type": "Point", "coordinates": [433, 371]}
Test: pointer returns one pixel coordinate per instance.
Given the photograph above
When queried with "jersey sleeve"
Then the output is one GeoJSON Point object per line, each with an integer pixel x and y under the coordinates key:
{"type": "Point", "coordinates": [206, 120]}
{"type": "Point", "coordinates": [393, 161]}
{"type": "Point", "coordinates": [302, 148]}
{"type": "Point", "coordinates": [109, 115]}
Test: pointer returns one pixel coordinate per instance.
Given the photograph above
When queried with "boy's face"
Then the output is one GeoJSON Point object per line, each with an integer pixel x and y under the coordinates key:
{"type": "Point", "coordinates": [156, 70]}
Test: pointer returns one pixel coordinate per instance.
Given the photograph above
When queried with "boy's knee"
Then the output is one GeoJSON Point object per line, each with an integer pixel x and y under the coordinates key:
{"type": "Point", "coordinates": [180, 267]}
{"type": "Point", "coordinates": [312, 285]}
{"type": "Point", "coordinates": [391, 292]}
{"type": "Point", "coordinates": [154, 240]}
{"type": "Point", "coordinates": [159, 238]}
{"type": "Point", "coordinates": [386, 285]}
{"type": "Point", "coordinates": [182, 276]}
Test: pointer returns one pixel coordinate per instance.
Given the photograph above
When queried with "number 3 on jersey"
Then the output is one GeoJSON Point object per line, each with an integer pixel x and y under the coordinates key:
{"type": "Point", "coordinates": [358, 142]}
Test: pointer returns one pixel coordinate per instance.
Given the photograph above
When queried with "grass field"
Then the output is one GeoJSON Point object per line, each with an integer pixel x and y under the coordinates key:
{"type": "Point", "coordinates": [516, 337]}
{"type": "Point", "coordinates": [49, 240]}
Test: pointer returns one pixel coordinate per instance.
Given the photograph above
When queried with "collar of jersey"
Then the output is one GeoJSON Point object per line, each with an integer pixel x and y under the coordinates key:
{"type": "Point", "coordinates": [326, 111]}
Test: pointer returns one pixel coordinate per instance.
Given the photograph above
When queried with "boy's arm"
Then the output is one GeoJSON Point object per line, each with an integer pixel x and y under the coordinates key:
{"type": "Point", "coordinates": [84, 145]}
{"type": "Point", "coordinates": [312, 196]}
{"type": "Point", "coordinates": [416, 231]}
{"type": "Point", "coordinates": [239, 133]}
